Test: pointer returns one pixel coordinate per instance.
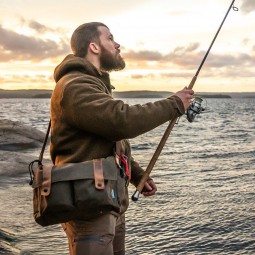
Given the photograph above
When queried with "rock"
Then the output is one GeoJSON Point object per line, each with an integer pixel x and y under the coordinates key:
{"type": "Point", "coordinates": [13, 164]}
{"type": "Point", "coordinates": [17, 136]}
{"type": "Point", "coordinates": [19, 145]}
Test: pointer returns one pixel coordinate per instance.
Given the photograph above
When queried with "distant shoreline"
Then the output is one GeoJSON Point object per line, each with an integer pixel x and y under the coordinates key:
{"type": "Point", "coordinates": [40, 93]}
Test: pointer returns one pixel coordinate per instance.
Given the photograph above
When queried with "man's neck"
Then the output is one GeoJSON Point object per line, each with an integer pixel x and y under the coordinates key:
{"type": "Point", "coordinates": [94, 61]}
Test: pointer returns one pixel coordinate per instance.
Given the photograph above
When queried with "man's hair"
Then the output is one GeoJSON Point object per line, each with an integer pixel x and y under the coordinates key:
{"type": "Point", "coordinates": [83, 36]}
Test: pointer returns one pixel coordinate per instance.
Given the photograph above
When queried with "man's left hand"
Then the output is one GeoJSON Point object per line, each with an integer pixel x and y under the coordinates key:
{"type": "Point", "coordinates": [149, 188]}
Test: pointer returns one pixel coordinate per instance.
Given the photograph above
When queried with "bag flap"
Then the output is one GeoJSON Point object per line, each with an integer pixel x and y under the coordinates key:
{"type": "Point", "coordinates": [76, 171]}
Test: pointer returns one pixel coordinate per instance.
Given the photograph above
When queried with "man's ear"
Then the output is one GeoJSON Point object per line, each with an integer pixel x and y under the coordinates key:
{"type": "Point", "coordinates": [94, 47]}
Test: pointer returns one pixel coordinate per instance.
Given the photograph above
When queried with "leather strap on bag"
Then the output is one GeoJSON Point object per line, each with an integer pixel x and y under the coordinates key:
{"type": "Point", "coordinates": [98, 168]}
{"type": "Point", "coordinates": [46, 184]}
{"type": "Point", "coordinates": [98, 174]}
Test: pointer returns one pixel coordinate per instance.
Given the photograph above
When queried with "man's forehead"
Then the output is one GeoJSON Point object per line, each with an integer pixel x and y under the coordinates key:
{"type": "Point", "coordinates": [104, 30]}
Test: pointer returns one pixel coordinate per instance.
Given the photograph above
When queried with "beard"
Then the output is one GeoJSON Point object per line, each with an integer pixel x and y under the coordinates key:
{"type": "Point", "coordinates": [110, 62]}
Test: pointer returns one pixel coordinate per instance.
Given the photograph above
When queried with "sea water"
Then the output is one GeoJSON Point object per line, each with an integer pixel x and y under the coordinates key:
{"type": "Point", "coordinates": [205, 176]}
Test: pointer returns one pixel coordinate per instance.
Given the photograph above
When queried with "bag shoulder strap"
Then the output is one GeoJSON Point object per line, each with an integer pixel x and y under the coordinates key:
{"type": "Point", "coordinates": [45, 142]}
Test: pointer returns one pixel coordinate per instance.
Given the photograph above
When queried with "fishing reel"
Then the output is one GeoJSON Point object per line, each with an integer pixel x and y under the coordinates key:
{"type": "Point", "coordinates": [194, 108]}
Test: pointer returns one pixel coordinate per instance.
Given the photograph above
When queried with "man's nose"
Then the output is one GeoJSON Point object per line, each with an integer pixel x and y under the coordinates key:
{"type": "Point", "coordinates": [117, 46]}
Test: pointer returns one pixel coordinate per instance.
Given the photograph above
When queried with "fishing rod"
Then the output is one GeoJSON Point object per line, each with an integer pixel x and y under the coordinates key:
{"type": "Point", "coordinates": [194, 109]}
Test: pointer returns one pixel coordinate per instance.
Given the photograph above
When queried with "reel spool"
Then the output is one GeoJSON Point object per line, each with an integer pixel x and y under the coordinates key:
{"type": "Point", "coordinates": [194, 109]}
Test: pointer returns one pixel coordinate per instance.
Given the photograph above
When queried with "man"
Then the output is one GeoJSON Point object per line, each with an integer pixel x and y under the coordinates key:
{"type": "Point", "coordinates": [87, 122]}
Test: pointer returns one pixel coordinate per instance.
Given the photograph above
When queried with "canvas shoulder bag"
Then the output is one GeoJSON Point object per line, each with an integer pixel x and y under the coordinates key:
{"type": "Point", "coordinates": [76, 191]}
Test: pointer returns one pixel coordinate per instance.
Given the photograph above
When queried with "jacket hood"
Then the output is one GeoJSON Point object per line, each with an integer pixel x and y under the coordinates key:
{"type": "Point", "coordinates": [73, 63]}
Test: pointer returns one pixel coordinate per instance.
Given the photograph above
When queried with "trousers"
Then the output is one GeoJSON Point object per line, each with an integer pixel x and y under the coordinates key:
{"type": "Point", "coordinates": [104, 235]}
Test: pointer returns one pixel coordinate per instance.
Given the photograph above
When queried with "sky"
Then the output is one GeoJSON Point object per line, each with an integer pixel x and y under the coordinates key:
{"type": "Point", "coordinates": [163, 42]}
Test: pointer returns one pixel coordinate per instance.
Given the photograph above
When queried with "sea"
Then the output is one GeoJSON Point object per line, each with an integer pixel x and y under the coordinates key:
{"type": "Point", "coordinates": [205, 175]}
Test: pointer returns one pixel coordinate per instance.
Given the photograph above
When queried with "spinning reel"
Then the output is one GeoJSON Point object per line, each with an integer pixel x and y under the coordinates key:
{"type": "Point", "coordinates": [194, 109]}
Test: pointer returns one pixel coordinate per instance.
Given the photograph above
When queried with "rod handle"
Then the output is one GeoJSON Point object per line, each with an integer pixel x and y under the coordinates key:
{"type": "Point", "coordinates": [193, 81]}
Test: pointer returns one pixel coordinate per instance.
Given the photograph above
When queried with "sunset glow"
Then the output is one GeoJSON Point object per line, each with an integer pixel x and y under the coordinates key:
{"type": "Point", "coordinates": [163, 42]}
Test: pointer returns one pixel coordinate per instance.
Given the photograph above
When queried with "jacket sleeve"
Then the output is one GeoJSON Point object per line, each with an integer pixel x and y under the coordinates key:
{"type": "Point", "coordinates": [137, 172]}
{"type": "Point", "coordinates": [87, 105]}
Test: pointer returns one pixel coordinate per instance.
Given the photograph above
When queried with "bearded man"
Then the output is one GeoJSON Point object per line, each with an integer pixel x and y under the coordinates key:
{"type": "Point", "coordinates": [86, 123]}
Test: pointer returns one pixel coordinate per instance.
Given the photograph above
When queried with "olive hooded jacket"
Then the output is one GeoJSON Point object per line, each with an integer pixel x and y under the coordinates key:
{"type": "Point", "coordinates": [86, 120]}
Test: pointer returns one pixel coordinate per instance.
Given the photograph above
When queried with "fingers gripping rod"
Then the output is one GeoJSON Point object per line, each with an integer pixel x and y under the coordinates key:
{"type": "Point", "coordinates": [161, 144]}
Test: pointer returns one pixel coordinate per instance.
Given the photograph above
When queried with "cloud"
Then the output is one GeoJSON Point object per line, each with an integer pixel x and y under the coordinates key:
{"type": "Point", "coordinates": [137, 76]}
{"type": "Point", "coordinates": [217, 60]}
{"type": "Point", "coordinates": [248, 6]}
{"type": "Point", "coordinates": [145, 55]}
{"type": "Point", "coordinates": [193, 60]}
{"type": "Point", "coordinates": [15, 46]}
{"type": "Point", "coordinates": [184, 56]}
{"type": "Point", "coordinates": [38, 26]}
{"type": "Point", "coordinates": [176, 74]}
{"type": "Point", "coordinates": [34, 25]}
{"type": "Point", "coordinates": [141, 76]}
{"type": "Point", "coordinates": [190, 48]}
{"type": "Point", "coordinates": [190, 58]}
{"type": "Point", "coordinates": [25, 78]}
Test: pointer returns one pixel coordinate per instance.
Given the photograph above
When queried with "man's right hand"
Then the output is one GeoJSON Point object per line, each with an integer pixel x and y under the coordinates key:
{"type": "Point", "coordinates": [186, 95]}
